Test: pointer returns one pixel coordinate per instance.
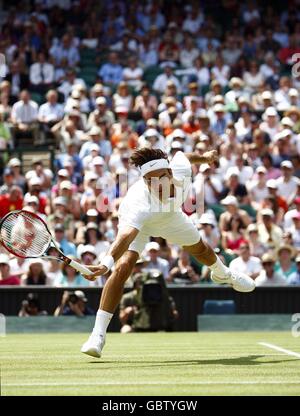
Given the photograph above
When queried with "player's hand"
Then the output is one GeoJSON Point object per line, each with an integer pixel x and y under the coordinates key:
{"type": "Point", "coordinates": [211, 156]}
{"type": "Point", "coordinates": [97, 271]}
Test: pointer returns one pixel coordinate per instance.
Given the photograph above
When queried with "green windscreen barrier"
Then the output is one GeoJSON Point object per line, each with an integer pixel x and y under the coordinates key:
{"type": "Point", "coordinates": [46, 324]}
{"type": "Point", "coordinates": [255, 322]}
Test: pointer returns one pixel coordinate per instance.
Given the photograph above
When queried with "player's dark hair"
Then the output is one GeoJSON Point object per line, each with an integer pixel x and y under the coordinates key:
{"type": "Point", "coordinates": [144, 155]}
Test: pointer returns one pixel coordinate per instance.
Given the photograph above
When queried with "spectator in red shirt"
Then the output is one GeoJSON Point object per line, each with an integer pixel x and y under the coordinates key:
{"type": "Point", "coordinates": [5, 277]}
{"type": "Point", "coordinates": [35, 184]}
{"type": "Point", "coordinates": [11, 201]}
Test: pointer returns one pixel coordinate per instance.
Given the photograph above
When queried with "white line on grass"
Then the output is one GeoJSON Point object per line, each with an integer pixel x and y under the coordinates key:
{"type": "Point", "coordinates": [275, 347]}
{"type": "Point", "coordinates": [148, 383]}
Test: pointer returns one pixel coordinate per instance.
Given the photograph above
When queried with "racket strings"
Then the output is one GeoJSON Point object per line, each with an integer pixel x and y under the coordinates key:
{"type": "Point", "coordinates": [25, 235]}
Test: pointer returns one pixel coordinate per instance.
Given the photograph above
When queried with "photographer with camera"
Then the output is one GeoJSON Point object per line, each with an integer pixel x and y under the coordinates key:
{"type": "Point", "coordinates": [73, 304]}
{"type": "Point", "coordinates": [148, 307]}
{"type": "Point", "coordinates": [31, 306]}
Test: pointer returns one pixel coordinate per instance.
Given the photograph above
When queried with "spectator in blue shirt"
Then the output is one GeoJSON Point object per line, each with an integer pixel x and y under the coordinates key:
{"type": "Point", "coordinates": [68, 248]}
{"type": "Point", "coordinates": [294, 278]}
{"type": "Point", "coordinates": [112, 71]}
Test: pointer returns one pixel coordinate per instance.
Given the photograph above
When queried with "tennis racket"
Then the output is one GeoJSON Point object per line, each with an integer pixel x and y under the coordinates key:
{"type": "Point", "coordinates": [26, 235]}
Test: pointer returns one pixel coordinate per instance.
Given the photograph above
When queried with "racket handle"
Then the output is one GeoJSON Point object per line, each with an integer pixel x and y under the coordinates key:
{"type": "Point", "coordinates": [80, 267]}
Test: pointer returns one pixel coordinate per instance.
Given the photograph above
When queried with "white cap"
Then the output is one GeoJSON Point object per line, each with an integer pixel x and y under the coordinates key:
{"type": "Point", "coordinates": [261, 169]}
{"type": "Point", "coordinates": [232, 171]}
{"type": "Point", "coordinates": [98, 160]}
{"type": "Point", "coordinates": [88, 248]}
{"type": "Point", "coordinates": [268, 212]}
{"type": "Point", "coordinates": [35, 181]}
{"type": "Point", "coordinates": [4, 259]}
{"type": "Point", "coordinates": [100, 100]}
{"type": "Point", "coordinates": [266, 95]}
{"type": "Point", "coordinates": [286, 132]}
{"type": "Point", "coordinates": [206, 219]}
{"type": "Point", "coordinates": [29, 199]}
{"type": "Point", "coordinates": [92, 212]}
{"type": "Point", "coordinates": [271, 111]}
{"type": "Point", "coordinates": [271, 183]}
{"type": "Point", "coordinates": [230, 200]}
{"type": "Point", "coordinates": [75, 94]}
{"type": "Point", "coordinates": [286, 164]}
{"type": "Point", "coordinates": [153, 245]}
{"type": "Point", "coordinates": [293, 92]}
{"type": "Point", "coordinates": [94, 147]}
{"type": "Point", "coordinates": [90, 176]}
{"type": "Point", "coordinates": [63, 172]}
{"type": "Point", "coordinates": [60, 200]}
{"type": "Point", "coordinates": [204, 167]}
{"type": "Point", "coordinates": [176, 145]}
{"type": "Point", "coordinates": [65, 185]}
{"type": "Point", "coordinates": [14, 162]}
{"type": "Point", "coordinates": [219, 108]}
{"type": "Point", "coordinates": [287, 121]}
{"type": "Point", "coordinates": [151, 133]}
{"type": "Point", "coordinates": [79, 293]}
{"type": "Point", "coordinates": [178, 133]}
{"type": "Point", "coordinates": [95, 130]}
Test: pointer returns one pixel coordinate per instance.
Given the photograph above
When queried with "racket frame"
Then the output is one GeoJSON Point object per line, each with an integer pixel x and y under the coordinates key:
{"type": "Point", "coordinates": [61, 256]}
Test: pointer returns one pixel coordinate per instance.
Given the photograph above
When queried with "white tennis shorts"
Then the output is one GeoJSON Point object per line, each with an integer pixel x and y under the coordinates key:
{"type": "Point", "coordinates": [176, 227]}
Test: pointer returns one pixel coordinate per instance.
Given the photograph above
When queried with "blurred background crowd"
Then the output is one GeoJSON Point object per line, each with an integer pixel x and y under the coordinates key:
{"type": "Point", "coordinates": [94, 80]}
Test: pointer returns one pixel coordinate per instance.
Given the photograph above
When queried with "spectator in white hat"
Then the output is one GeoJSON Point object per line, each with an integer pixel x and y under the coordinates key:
{"type": "Point", "coordinates": [152, 138]}
{"type": "Point", "coordinates": [15, 165]}
{"type": "Point", "coordinates": [269, 276]}
{"type": "Point", "coordinates": [234, 187]}
{"type": "Point", "coordinates": [232, 210]}
{"type": "Point", "coordinates": [269, 233]}
{"type": "Point", "coordinates": [95, 137]}
{"type": "Point", "coordinates": [246, 263]}
{"type": "Point", "coordinates": [287, 183]}
{"type": "Point", "coordinates": [154, 260]}
{"type": "Point", "coordinates": [101, 112]}
{"type": "Point", "coordinates": [270, 123]}
{"type": "Point", "coordinates": [257, 248]}
{"type": "Point", "coordinates": [212, 185]}
{"type": "Point", "coordinates": [208, 230]}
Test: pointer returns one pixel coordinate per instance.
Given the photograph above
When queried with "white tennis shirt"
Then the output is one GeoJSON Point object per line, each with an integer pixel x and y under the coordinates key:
{"type": "Point", "coordinates": [140, 208]}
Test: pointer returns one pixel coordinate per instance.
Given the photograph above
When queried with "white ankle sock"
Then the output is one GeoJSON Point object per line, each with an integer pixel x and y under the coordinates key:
{"type": "Point", "coordinates": [219, 268]}
{"type": "Point", "coordinates": [101, 323]}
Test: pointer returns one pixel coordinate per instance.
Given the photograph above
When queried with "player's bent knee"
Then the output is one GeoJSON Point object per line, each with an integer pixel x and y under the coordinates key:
{"type": "Point", "coordinates": [199, 248]}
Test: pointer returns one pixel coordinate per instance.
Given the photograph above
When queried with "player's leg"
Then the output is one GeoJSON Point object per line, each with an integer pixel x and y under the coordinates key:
{"type": "Point", "coordinates": [182, 231]}
{"type": "Point", "coordinates": [220, 273]}
{"type": "Point", "coordinates": [110, 299]}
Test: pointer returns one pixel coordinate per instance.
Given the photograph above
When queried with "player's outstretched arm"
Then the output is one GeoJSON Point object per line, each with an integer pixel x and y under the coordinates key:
{"type": "Point", "coordinates": [124, 238]}
{"type": "Point", "coordinates": [207, 157]}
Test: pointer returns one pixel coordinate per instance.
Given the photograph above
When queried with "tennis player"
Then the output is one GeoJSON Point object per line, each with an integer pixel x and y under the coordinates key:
{"type": "Point", "coordinates": [153, 207]}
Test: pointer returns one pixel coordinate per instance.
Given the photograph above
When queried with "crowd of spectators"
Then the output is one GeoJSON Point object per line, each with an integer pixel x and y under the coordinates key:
{"type": "Point", "coordinates": [180, 76]}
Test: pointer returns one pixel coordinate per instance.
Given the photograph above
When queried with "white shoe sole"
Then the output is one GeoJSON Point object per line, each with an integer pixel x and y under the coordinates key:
{"type": "Point", "coordinates": [92, 352]}
{"type": "Point", "coordinates": [229, 282]}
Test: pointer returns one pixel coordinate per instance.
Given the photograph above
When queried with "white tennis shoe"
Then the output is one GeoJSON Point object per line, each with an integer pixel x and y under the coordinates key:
{"type": "Point", "coordinates": [239, 281]}
{"type": "Point", "coordinates": [93, 346]}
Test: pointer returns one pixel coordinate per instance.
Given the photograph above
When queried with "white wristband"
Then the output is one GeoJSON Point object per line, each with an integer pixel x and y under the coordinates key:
{"type": "Point", "coordinates": [108, 261]}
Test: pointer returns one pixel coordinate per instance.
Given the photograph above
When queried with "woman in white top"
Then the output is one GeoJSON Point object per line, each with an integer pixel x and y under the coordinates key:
{"type": "Point", "coordinates": [220, 71]}
{"type": "Point", "coordinates": [253, 78]}
{"type": "Point", "coordinates": [123, 98]}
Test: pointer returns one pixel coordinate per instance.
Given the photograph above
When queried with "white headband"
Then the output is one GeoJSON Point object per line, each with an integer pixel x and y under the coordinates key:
{"type": "Point", "coordinates": [154, 165]}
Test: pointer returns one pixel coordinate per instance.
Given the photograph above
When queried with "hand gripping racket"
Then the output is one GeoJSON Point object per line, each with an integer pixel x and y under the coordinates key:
{"type": "Point", "coordinates": [26, 235]}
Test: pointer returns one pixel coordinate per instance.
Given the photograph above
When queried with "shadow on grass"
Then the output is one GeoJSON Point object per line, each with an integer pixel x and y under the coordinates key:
{"type": "Point", "coordinates": [239, 361]}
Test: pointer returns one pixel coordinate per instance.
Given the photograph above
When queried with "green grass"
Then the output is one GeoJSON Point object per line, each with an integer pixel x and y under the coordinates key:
{"type": "Point", "coordinates": [202, 363]}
